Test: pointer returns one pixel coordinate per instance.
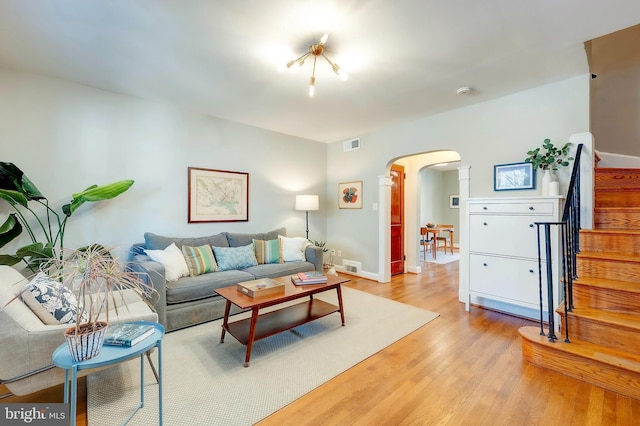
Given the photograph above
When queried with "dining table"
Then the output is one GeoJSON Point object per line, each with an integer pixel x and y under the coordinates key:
{"type": "Point", "coordinates": [436, 231]}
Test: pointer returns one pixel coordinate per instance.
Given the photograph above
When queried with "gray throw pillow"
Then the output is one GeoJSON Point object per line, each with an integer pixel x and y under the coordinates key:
{"type": "Point", "coordinates": [238, 240]}
{"type": "Point", "coordinates": [158, 242]}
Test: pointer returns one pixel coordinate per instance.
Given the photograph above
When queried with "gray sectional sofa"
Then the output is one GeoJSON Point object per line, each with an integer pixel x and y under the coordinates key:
{"type": "Point", "coordinates": [192, 300]}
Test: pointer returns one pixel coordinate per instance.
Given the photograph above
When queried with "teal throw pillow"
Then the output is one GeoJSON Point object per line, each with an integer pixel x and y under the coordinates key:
{"type": "Point", "coordinates": [229, 258]}
{"type": "Point", "coordinates": [267, 251]}
{"type": "Point", "coordinates": [199, 260]}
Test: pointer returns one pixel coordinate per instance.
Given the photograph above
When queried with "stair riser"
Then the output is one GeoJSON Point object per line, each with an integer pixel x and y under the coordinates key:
{"type": "Point", "coordinates": [585, 296]}
{"type": "Point", "coordinates": [609, 377]}
{"type": "Point", "coordinates": [617, 198]}
{"type": "Point", "coordinates": [611, 243]}
{"type": "Point", "coordinates": [616, 220]}
{"type": "Point", "coordinates": [603, 334]}
{"type": "Point", "coordinates": [608, 269]}
{"type": "Point", "coordinates": [616, 178]}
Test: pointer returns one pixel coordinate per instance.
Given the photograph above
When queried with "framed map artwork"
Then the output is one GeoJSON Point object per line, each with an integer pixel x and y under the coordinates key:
{"type": "Point", "coordinates": [218, 196]}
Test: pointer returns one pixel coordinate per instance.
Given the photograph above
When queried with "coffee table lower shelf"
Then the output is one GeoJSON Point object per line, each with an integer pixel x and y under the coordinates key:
{"type": "Point", "coordinates": [281, 320]}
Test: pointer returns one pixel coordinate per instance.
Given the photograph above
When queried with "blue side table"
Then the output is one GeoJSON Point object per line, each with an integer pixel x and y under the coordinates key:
{"type": "Point", "coordinates": [110, 355]}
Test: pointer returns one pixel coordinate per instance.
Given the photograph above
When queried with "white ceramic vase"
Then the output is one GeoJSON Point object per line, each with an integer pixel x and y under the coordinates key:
{"type": "Point", "coordinates": [546, 179]}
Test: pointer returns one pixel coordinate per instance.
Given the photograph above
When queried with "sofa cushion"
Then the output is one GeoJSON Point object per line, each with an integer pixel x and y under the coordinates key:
{"type": "Point", "coordinates": [203, 286]}
{"type": "Point", "coordinates": [292, 249]}
{"type": "Point", "coordinates": [199, 260]}
{"type": "Point", "coordinates": [238, 240]}
{"type": "Point", "coordinates": [267, 251]}
{"type": "Point", "coordinates": [229, 258]}
{"type": "Point", "coordinates": [173, 261]}
{"type": "Point", "coordinates": [51, 301]}
{"type": "Point", "coordinates": [158, 242]}
{"type": "Point", "coordinates": [274, 270]}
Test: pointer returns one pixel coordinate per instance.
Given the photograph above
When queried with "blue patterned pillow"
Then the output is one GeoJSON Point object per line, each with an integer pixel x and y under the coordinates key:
{"type": "Point", "coordinates": [229, 258]}
{"type": "Point", "coordinates": [56, 299]}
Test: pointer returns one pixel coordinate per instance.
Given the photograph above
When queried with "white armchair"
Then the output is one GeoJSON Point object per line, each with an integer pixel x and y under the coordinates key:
{"type": "Point", "coordinates": [26, 343]}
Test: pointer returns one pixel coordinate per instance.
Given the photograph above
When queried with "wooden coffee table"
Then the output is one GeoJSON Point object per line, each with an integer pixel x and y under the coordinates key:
{"type": "Point", "coordinates": [259, 326]}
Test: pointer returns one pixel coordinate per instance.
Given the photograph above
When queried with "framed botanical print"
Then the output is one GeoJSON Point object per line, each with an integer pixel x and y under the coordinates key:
{"type": "Point", "coordinates": [513, 176]}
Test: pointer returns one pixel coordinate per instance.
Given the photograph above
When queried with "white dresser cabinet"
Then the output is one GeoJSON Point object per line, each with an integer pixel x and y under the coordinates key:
{"type": "Point", "coordinates": [503, 253]}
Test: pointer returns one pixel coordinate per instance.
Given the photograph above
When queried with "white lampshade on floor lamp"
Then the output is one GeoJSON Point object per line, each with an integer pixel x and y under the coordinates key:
{"type": "Point", "coordinates": [307, 203]}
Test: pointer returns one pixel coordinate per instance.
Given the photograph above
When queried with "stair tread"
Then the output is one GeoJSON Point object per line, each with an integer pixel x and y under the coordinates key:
{"type": "Point", "coordinates": [609, 284]}
{"type": "Point", "coordinates": [610, 170]}
{"type": "Point", "coordinates": [622, 257]}
{"type": "Point", "coordinates": [617, 209]}
{"type": "Point", "coordinates": [617, 319]}
{"type": "Point", "coordinates": [584, 349]}
{"type": "Point", "coordinates": [602, 231]}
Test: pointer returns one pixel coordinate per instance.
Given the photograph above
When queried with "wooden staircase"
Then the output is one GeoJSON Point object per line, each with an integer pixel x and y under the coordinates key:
{"type": "Point", "coordinates": [604, 327]}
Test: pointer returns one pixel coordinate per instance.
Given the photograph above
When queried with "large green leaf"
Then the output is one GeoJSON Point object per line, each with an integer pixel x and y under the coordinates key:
{"type": "Point", "coordinates": [96, 193]}
{"type": "Point", "coordinates": [36, 253]}
{"type": "Point", "coordinates": [9, 260]}
{"type": "Point", "coordinates": [10, 229]}
{"type": "Point", "coordinates": [13, 197]}
{"type": "Point", "coordinates": [12, 178]}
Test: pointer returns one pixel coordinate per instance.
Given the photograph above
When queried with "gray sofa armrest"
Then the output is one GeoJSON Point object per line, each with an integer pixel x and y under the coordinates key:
{"type": "Point", "coordinates": [153, 273]}
{"type": "Point", "coordinates": [315, 256]}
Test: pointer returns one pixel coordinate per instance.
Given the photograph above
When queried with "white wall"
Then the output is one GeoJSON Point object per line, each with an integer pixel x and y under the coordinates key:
{"type": "Point", "coordinates": [431, 196]}
{"type": "Point", "coordinates": [65, 137]}
{"type": "Point", "coordinates": [495, 132]}
{"type": "Point", "coordinates": [436, 187]}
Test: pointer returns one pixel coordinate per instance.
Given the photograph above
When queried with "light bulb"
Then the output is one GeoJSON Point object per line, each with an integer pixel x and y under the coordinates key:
{"type": "Point", "coordinates": [312, 85]}
{"type": "Point", "coordinates": [324, 38]}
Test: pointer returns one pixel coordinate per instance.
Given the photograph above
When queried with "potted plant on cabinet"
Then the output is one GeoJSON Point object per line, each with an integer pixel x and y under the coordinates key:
{"type": "Point", "coordinates": [549, 158]}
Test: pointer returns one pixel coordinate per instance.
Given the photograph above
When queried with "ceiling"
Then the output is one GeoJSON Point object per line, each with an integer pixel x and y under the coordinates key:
{"type": "Point", "coordinates": [405, 58]}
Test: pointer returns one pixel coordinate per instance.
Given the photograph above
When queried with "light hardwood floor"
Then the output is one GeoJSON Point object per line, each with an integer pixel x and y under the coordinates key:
{"type": "Point", "coordinates": [463, 368]}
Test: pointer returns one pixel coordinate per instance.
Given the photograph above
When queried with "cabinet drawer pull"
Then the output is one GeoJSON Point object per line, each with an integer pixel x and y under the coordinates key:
{"type": "Point", "coordinates": [484, 208]}
{"type": "Point", "coordinates": [484, 264]}
{"type": "Point", "coordinates": [485, 223]}
{"type": "Point", "coordinates": [531, 271]}
{"type": "Point", "coordinates": [531, 208]}
{"type": "Point", "coordinates": [531, 225]}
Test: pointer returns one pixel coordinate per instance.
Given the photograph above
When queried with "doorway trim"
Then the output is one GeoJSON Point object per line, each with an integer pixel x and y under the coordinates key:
{"type": "Point", "coordinates": [384, 221]}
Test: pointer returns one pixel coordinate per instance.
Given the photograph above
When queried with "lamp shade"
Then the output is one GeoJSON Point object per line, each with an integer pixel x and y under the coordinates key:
{"type": "Point", "coordinates": [307, 202]}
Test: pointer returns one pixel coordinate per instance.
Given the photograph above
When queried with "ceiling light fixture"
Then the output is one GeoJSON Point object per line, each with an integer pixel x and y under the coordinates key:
{"type": "Point", "coordinates": [317, 50]}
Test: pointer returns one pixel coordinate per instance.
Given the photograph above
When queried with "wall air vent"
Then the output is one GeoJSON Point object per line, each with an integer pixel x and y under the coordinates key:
{"type": "Point", "coordinates": [351, 267]}
{"type": "Point", "coordinates": [351, 145]}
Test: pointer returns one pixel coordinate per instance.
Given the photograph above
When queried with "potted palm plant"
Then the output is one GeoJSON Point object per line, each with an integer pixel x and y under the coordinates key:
{"type": "Point", "coordinates": [47, 230]}
{"type": "Point", "coordinates": [97, 280]}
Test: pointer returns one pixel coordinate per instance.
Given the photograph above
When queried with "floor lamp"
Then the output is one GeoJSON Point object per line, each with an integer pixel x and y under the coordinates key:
{"type": "Point", "coordinates": [306, 203]}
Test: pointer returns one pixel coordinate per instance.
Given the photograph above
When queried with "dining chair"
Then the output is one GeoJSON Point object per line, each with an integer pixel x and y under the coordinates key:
{"type": "Point", "coordinates": [425, 242]}
{"type": "Point", "coordinates": [443, 236]}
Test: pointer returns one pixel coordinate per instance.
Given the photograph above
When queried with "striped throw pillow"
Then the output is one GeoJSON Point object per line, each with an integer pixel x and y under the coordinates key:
{"type": "Point", "coordinates": [200, 260]}
{"type": "Point", "coordinates": [267, 251]}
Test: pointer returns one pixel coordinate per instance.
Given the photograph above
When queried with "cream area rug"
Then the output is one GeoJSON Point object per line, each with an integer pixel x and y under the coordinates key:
{"type": "Point", "coordinates": [442, 258]}
{"type": "Point", "coordinates": [205, 383]}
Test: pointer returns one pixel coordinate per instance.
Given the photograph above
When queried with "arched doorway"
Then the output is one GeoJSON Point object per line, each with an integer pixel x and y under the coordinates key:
{"type": "Point", "coordinates": [412, 164]}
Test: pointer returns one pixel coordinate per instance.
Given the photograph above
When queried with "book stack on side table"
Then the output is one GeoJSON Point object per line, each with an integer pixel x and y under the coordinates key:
{"type": "Point", "coordinates": [313, 277]}
{"type": "Point", "coordinates": [127, 334]}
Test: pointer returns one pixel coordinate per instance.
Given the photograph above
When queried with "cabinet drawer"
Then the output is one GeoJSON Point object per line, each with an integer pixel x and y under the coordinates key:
{"type": "Point", "coordinates": [511, 280]}
{"type": "Point", "coordinates": [506, 235]}
{"type": "Point", "coordinates": [537, 208]}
